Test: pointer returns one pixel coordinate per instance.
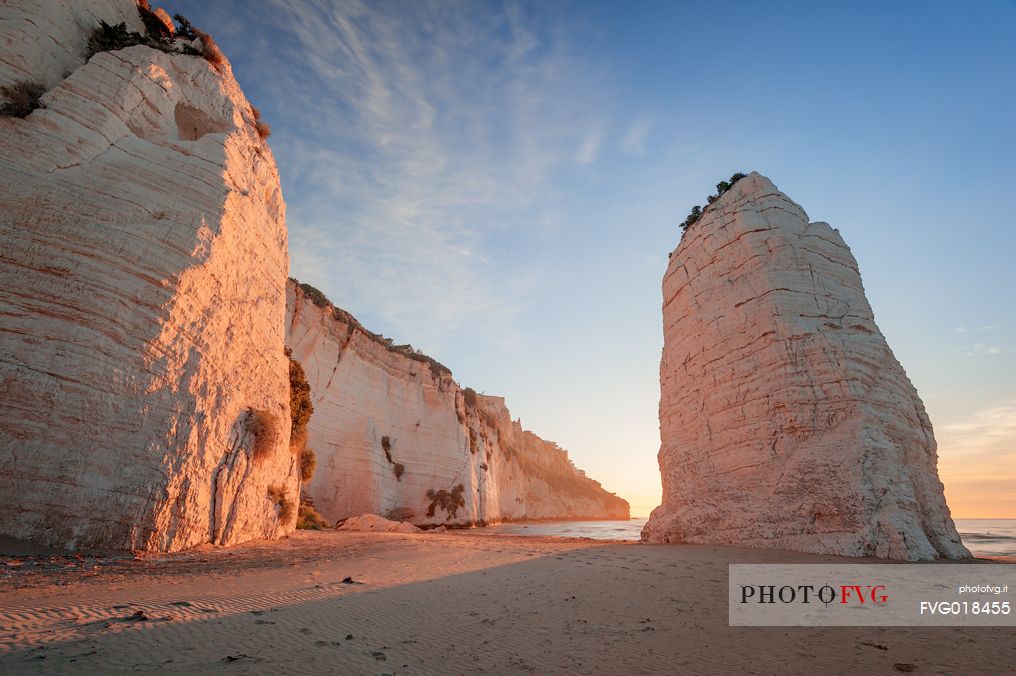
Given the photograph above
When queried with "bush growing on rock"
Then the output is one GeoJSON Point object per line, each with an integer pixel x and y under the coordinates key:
{"type": "Point", "coordinates": [308, 463]}
{"type": "Point", "coordinates": [399, 470]}
{"type": "Point", "coordinates": [316, 295]}
{"type": "Point", "coordinates": [263, 129]}
{"type": "Point", "coordinates": [106, 38]}
{"type": "Point", "coordinates": [158, 35]}
{"type": "Point", "coordinates": [155, 25]}
{"type": "Point", "coordinates": [721, 187]}
{"type": "Point", "coordinates": [277, 494]}
{"type": "Point", "coordinates": [22, 98]}
{"type": "Point", "coordinates": [210, 49]}
{"type": "Point", "coordinates": [301, 408]}
{"type": "Point", "coordinates": [449, 501]}
{"type": "Point", "coordinates": [184, 27]}
{"type": "Point", "coordinates": [307, 518]}
{"type": "Point", "coordinates": [264, 427]}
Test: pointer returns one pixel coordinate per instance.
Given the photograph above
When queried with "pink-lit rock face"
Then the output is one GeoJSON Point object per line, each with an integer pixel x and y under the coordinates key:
{"type": "Point", "coordinates": [376, 410]}
{"type": "Point", "coordinates": [143, 269]}
{"type": "Point", "coordinates": [786, 421]}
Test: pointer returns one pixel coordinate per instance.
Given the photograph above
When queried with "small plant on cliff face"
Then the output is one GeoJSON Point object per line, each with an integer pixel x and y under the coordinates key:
{"type": "Point", "coordinates": [210, 49]}
{"type": "Point", "coordinates": [184, 28]}
{"type": "Point", "coordinates": [308, 463]}
{"type": "Point", "coordinates": [155, 27]}
{"type": "Point", "coordinates": [721, 187]}
{"type": "Point", "coordinates": [315, 295]}
{"type": "Point", "coordinates": [386, 446]}
{"type": "Point", "coordinates": [399, 470]}
{"type": "Point", "coordinates": [277, 494]}
{"type": "Point", "coordinates": [449, 501]}
{"type": "Point", "coordinates": [158, 35]}
{"type": "Point", "coordinates": [300, 406]}
{"type": "Point", "coordinates": [22, 98]}
{"type": "Point", "coordinates": [108, 38]}
{"type": "Point", "coordinates": [469, 395]}
{"type": "Point", "coordinates": [262, 127]}
{"type": "Point", "coordinates": [307, 518]}
{"type": "Point", "coordinates": [264, 427]}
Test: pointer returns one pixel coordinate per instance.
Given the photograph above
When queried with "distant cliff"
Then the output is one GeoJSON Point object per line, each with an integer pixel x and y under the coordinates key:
{"type": "Point", "coordinates": [144, 392]}
{"type": "Point", "coordinates": [785, 419]}
{"type": "Point", "coordinates": [396, 436]}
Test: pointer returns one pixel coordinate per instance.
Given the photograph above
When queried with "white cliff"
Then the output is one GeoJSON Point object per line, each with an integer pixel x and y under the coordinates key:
{"type": "Point", "coordinates": [786, 421]}
{"type": "Point", "coordinates": [144, 398]}
{"type": "Point", "coordinates": [396, 436]}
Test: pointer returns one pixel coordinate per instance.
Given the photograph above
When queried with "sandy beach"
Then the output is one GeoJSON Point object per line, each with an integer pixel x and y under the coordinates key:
{"type": "Point", "coordinates": [453, 603]}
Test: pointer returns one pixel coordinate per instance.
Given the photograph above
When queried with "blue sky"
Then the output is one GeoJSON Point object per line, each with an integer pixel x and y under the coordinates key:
{"type": "Point", "coordinates": [500, 184]}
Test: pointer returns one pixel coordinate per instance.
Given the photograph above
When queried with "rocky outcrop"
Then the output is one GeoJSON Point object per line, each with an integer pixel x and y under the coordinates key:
{"type": "Point", "coordinates": [786, 421]}
{"type": "Point", "coordinates": [143, 259]}
{"type": "Point", "coordinates": [372, 523]}
{"type": "Point", "coordinates": [396, 436]}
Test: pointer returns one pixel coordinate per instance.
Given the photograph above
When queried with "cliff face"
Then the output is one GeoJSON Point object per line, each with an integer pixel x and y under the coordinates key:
{"type": "Point", "coordinates": [143, 257]}
{"type": "Point", "coordinates": [785, 419]}
{"type": "Point", "coordinates": [396, 436]}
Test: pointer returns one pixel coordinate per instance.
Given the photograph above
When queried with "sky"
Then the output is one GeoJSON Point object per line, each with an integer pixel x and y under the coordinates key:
{"type": "Point", "coordinates": [500, 184]}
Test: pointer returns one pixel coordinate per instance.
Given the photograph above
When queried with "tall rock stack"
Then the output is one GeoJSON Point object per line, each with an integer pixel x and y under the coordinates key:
{"type": "Point", "coordinates": [143, 258]}
{"type": "Point", "coordinates": [786, 421]}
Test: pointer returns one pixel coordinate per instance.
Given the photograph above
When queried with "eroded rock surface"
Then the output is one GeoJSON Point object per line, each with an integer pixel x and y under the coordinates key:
{"type": "Point", "coordinates": [143, 259]}
{"type": "Point", "coordinates": [396, 436]}
{"type": "Point", "coordinates": [786, 421]}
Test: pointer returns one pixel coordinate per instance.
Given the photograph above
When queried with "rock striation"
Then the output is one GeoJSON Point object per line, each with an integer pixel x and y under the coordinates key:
{"type": "Point", "coordinates": [143, 256]}
{"type": "Point", "coordinates": [786, 421]}
{"type": "Point", "coordinates": [396, 436]}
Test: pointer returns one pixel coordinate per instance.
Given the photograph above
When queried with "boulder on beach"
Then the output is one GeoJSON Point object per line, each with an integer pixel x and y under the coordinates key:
{"type": "Point", "coordinates": [372, 523]}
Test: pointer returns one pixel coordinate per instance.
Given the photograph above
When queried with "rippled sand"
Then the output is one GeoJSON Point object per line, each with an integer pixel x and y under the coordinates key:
{"type": "Point", "coordinates": [436, 604]}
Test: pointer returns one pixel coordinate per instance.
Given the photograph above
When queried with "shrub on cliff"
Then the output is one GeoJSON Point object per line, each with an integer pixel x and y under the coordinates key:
{"type": "Point", "coordinates": [155, 26]}
{"type": "Point", "coordinates": [469, 395]}
{"type": "Point", "coordinates": [262, 127]}
{"type": "Point", "coordinates": [307, 518]}
{"type": "Point", "coordinates": [184, 28]}
{"type": "Point", "coordinates": [721, 187]}
{"type": "Point", "coordinates": [308, 463]}
{"type": "Point", "coordinates": [300, 405]}
{"type": "Point", "coordinates": [264, 427]}
{"type": "Point", "coordinates": [277, 494]}
{"type": "Point", "coordinates": [210, 49]}
{"type": "Point", "coordinates": [22, 98]}
{"type": "Point", "coordinates": [107, 38]}
{"type": "Point", "coordinates": [449, 501]}
{"type": "Point", "coordinates": [399, 470]}
{"type": "Point", "coordinates": [316, 295]}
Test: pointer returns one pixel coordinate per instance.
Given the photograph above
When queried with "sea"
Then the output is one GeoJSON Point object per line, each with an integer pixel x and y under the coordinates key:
{"type": "Point", "coordinates": [983, 537]}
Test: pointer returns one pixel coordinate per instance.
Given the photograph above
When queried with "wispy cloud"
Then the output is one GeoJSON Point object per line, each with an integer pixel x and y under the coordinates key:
{"type": "Point", "coordinates": [963, 329]}
{"type": "Point", "coordinates": [414, 130]}
{"type": "Point", "coordinates": [589, 149]}
{"type": "Point", "coordinates": [990, 430]}
{"type": "Point", "coordinates": [980, 349]}
{"type": "Point", "coordinates": [634, 141]}
{"type": "Point", "coordinates": [977, 462]}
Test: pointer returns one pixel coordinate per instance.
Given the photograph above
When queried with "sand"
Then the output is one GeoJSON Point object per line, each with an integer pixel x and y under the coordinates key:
{"type": "Point", "coordinates": [453, 603]}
